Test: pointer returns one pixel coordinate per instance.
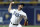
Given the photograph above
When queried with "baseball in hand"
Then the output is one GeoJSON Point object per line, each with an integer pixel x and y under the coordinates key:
{"type": "Point", "coordinates": [12, 2]}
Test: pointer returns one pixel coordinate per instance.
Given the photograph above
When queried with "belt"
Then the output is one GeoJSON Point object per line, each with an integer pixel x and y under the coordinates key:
{"type": "Point", "coordinates": [14, 24]}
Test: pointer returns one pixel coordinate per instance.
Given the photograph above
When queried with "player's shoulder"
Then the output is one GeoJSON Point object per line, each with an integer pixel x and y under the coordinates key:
{"type": "Point", "coordinates": [23, 12]}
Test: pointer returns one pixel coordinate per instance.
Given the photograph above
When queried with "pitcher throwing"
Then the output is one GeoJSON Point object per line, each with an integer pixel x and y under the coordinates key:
{"type": "Point", "coordinates": [17, 15]}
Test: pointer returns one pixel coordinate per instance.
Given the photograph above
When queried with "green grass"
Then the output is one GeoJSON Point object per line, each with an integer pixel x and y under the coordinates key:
{"type": "Point", "coordinates": [23, 26]}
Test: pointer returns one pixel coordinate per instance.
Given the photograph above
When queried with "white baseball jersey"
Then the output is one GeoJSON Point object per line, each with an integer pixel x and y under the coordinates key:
{"type": "Point", "coordinates": [17, 16]}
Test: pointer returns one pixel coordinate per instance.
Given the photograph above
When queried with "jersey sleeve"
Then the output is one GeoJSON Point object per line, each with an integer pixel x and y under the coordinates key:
{"type": "Point", "coordinates": [12, 10]}
{"type": "Point", "coordinates": [25, 16]}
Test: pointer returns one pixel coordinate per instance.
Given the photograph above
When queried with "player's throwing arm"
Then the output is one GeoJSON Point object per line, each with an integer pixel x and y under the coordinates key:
{"type": "Point", "coordinates": [10, 6]}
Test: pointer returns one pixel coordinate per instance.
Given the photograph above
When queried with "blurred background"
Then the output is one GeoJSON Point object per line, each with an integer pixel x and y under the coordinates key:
{"type": "Point", "coordinates": [31, 8]}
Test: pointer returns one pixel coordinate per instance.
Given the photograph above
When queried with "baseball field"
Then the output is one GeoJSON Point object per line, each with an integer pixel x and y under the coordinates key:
{"type": "Point", "coordinates": [23, 26]}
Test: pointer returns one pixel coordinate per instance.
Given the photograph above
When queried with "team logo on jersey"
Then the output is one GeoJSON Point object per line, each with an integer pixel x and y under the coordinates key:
{"type": "Point", "coordinates": [16, 14]}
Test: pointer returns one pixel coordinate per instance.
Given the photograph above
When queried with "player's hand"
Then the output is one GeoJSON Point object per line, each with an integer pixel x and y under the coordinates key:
{"type": "Point", "coordinates": [25, 23]}
{"type": "Point", "coordinates": [12, 3]}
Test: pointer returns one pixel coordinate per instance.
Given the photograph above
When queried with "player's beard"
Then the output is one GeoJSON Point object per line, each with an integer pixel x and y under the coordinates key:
{"type": "Point", "coordinates": [20, 8]}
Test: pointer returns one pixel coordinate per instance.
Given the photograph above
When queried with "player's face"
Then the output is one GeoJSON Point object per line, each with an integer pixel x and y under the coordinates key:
{"type": "Point", "coordinates": [20, 6]}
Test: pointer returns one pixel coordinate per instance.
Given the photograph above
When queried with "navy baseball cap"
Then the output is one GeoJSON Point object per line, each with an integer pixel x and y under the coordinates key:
{"type": "Point", "coordinates": [21, 4]}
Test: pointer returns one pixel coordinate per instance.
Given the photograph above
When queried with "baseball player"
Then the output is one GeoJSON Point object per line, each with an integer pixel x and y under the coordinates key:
{"type": "Point", "coordinates": [17, 15]}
